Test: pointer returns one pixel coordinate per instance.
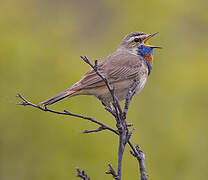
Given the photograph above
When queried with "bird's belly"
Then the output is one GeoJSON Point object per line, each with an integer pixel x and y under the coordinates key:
{"type": "Point", "coordinates": [141, 84]}
{"type": "Point", "coordinates": [122, 93]}
{"type": "Point", "coordinates": [121, 90]}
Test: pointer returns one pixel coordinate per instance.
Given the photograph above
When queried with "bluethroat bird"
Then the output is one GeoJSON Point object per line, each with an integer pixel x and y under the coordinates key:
{"type": "Point", "coordinates": [131, 61]}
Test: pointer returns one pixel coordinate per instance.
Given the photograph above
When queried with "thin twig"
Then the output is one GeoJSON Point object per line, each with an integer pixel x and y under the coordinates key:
{"type": "Point", "coordinates": [82, 174]}
{"type": "Point", "coordinates": [94, 130]}
{"type": "Point", "coordinates": [112, 172]}
{"type": "Point", "coordinates": [110, 110]}
{"type": "Point", "coordinates": [132, 91]}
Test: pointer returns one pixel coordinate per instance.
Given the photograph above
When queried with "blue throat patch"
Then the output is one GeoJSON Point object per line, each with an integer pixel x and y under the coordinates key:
{"type": "Point", "coordinates": [142, 51]}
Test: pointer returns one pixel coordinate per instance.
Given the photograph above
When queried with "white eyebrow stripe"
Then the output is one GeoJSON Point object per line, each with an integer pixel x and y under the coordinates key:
{"type": "Point", "coordinates": [131, 39]}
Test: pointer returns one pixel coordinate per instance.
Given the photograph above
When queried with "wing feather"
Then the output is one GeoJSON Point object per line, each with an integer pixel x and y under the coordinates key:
{"type": "Point", "coordinates": [116, 67]}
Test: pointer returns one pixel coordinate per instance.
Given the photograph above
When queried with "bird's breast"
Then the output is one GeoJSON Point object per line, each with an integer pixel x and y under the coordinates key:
{"type": "Point", "coordinates": [149, 58]}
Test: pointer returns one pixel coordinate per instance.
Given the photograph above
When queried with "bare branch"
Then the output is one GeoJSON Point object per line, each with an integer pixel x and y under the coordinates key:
{"type": "Point", "coordinates": [130, 134]}
{"type": "Point", "coordinates": [112, 172]}
{"type": "Point", "coordinates": [25, 102]}
{"type": "Point", "coordinates": [111, 110]}
{"type": "Point", "coordinates": [124, 134]}
{"type": "Point", "coordinates": [95, 130]}
{"type": "Point", "coordinates": [141, 159]}
{"type": "Point", "coordinates": [82, 174]}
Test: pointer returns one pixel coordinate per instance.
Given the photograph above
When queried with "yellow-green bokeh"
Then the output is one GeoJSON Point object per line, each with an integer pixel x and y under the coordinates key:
{"type": "Point", "coordinates": [40, 45]}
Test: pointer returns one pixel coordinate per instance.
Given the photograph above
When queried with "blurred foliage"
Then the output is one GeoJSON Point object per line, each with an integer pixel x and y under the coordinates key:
{"type": "Point", "coordinates": [39, 50]}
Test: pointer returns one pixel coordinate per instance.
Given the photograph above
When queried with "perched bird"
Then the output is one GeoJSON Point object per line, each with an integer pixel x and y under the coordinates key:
{"type": "Point", "coordinates": [131, 61]}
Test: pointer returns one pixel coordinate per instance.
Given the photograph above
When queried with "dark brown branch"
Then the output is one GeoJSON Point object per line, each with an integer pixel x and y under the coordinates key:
{"type": "Point", "coordinates": [82, 174]}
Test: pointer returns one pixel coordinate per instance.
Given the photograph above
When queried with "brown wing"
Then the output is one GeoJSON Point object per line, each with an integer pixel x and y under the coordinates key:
{"type": "Point", "coordinates": [116, 67]}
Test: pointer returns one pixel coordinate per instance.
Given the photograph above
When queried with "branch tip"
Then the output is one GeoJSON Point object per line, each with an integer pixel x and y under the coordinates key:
{"type": "Point", "coordinates": [82, 174]}
{"type": "Point", "coordinates": [96, 63]}
{"type": "Point", "coordinates": [112, 172]}
{"type": "Point", "coordinates": [129, 124]}
{"type": "Point", "coordinates": [18, 95]}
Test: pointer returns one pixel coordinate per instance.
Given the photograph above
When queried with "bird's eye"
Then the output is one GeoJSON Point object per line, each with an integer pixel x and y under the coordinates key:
{"type": "Point", "coordinates": [137, 40]}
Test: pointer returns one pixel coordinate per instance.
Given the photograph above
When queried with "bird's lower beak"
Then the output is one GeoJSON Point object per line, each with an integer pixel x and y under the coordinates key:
{"type": "Point", "coordinates": [154, 46]}
{"type": "Point", "coordinates": [148, 38]}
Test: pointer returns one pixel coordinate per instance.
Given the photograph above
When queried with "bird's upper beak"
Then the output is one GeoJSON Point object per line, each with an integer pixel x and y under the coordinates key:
{"type": "Point", "coordinates": [148, 37]}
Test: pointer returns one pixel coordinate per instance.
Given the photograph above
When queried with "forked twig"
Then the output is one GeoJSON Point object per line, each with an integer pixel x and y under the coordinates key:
{"type": "Point", "coordinates": [81, 174]}
{"type": "Point", "coordinates": [112, 172]}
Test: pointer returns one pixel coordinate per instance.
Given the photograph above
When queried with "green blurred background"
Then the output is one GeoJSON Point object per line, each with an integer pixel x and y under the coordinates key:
{"type": "Point", "coordinates": [40, 45]}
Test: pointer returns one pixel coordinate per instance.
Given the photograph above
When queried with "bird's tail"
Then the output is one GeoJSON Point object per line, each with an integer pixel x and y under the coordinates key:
{"type": "Point", "coordinates": [58, 97]}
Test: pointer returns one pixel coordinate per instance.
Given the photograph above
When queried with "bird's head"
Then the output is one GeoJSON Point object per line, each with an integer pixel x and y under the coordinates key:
{"type": "Point", "coordinates": [132, 41]}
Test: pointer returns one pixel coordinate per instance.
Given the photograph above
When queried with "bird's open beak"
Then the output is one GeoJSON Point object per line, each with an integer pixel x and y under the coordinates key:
{"type": "Point", "coordinates": [148, 38]}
